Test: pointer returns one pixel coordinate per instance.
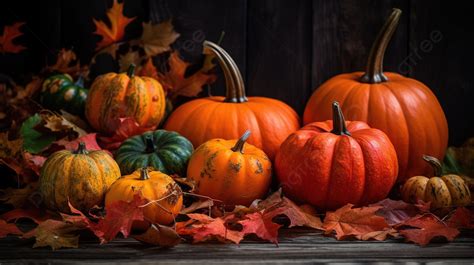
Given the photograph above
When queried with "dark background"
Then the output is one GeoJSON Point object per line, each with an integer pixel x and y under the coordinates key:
{"type": "Point", "coordinates": [285, 49]}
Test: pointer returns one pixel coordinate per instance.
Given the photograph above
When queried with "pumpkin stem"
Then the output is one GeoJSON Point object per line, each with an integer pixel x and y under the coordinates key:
{"type": "Point", "coordinates": [338, 121]}
{"type": "Point", "coordinates": [131, 70]}
{"type": "Point", "coordinates": [81, 149]}
{"type": "Point", "coordinates": [150, 144]}
{"type": "Point", "coordinates": [80, 81]}
{"type": "Point", "coordinates": [435, 164]}
{"type": "Point", "coordinates": [144, 173]}
{"type": "Point", "coordinates": [239, 146]}
{"type": "Point", "coordinates": [374, 72]}
{"type": "Point", "coordinates": [235, 88]}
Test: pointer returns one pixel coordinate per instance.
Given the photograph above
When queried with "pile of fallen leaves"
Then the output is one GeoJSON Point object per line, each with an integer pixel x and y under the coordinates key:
{"type": "Point", "coordinates": [263, 219]}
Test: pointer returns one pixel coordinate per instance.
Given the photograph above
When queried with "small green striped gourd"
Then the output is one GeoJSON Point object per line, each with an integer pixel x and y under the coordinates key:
{"type": "Point", "coordinates": [61, 92]}
{"type": "Point", "coordinates": [162, 150]}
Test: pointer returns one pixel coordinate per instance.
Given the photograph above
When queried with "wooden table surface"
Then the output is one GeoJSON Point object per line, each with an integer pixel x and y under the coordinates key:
{"type": "Point", "coordinates": [295, 246]}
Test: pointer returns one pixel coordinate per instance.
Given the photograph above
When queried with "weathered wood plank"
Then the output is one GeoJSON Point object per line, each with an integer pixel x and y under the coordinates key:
{"type": "Point", "coordinates": [279, 50]}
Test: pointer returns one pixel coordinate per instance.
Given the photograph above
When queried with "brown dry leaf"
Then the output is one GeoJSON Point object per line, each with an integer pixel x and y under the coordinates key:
{"type": "Point", "coordinates": [55, 234]}
{"type": "Point", "coordinates": [57, 123]}
{"type": "Point", "coordinates": [66, 62]}
{"type": "Point", "coordinates": [197, 205]}
{"type": "Point", "coordinates": [131, 57]}
{"type": "Point", "coordinates": [10, 148]}
{"type": "Point", "coordinates": [159, 235]}
{"type": "Point", "coordinates": [19, 198]}
{"type": "Point", "coordinates": [175, 82]}
{"type": "Point", "coordinates": [157, 38]}
{"type": "Point", "coordinates": [116, 30]}
{"type": "Point", "coordinates": [9, 34]}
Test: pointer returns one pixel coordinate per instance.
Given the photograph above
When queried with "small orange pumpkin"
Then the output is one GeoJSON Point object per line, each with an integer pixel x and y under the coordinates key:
{"type": "Point", "coordinates": [154, 186]}
{"type": "Point", "coordinates": [231, 171]}
{"type": "Point", "coordinates": [442, 191]}
{"type": "Point", "coordinates": [200, 120]}
{"type": "Point", "coordinates": [114, 96]}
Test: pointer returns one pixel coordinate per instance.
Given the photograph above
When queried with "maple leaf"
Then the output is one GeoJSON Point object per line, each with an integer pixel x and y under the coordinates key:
{"type": "Point", "coordinates": [119, 218]}
{"type": "Point", "coordinates": [36, 215]}
{"type": "Point", "coordinates": [8, 229]}
{"type": "Point", "coordinates": [89, 139]}
{"type": "Point", "coordinates": [35, 162]}
{"type": "Point", "coordinates": [127, 128]}
{"type": "Point", "coordinates": [55, 234]}
{"type": "Point", "coordinates": [157, 38]}
{"type": "Point", "coordinates": [9, 34]}
{"type": "Point", "coordinates": [358, 222]}
{"type": "Point", "coordinates": [203, 228]}
{"type": "Point", "coordinates": [131, 57]}
{"type": "Point", "coordinates": [426, 228]}
{"type": "Point", "coordinates": [175, 82]}
{"type": "Point", "coordinates": [159, 235]}
{"type": "Point", "coordinates": [261, 225]}
{"type": "Point", "coordinates": [116, 31]}
{"type": "Point", "coordinates": [18, 197]}
{"type": "Point", "coordinates": [148, 69]}
{"type": "Point", "coordinates": [396, 212]}
{"type": "Point", "coordinates": [461, 218]}
{"type": "Point", "coordinates": [295, 214]}
{"type": "Point", "coordinates": [67, 62]}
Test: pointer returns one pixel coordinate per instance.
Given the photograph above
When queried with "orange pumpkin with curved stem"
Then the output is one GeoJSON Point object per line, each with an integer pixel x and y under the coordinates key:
{"type": "Point", "coordinates": [230, 171]}
{"type": "Point", "coordinates": [114, 96]}
{"type": "Point", "coordinates": [332, 163]}
{"type": "Point", "coordinates": [200, 120]}
{"type": "Point", "coordinates": [404, 108]}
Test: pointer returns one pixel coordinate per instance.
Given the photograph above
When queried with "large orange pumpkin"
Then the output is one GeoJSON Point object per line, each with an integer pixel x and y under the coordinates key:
{"type": "Point", "coordinates": [200, 120]}
{"type": "Point", "coordinates": [332, 163]}
{"type": "Point", "coordinates": [404, 108]}
{"type": "Point", "coordinates": [114, 96]}
{"type": "Point", "coordinates": [230, 170]}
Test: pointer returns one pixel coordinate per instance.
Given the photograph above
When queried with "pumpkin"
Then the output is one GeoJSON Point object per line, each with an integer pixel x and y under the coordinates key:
{"type": "Point", "coordinates": [200, 120]}
{"type": "Point", "coordinates": [332, 163]}
{"type": "Point", "coordinates": [153, 186]}
{"type": "Point", "coordinates": [81, 177]}
{"type": "Point", "coordinates": [162, 150]}
{"type": "Point", "coordinates": [442, 191]}
{"type": "Point", "coordinates": [232, 171]}
{"type": "Point", "coordinates": [61, 92]}
{"type": "Point", "coordinates": [404, 108]}
{"type": "Point", "coordinates": [114, 96]}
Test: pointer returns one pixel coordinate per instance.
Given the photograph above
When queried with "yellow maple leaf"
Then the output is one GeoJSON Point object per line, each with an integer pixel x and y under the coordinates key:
{"type": "Point", "coordinates": [157, 38]}
{"type": "Point", "coordinates": [116, 31]}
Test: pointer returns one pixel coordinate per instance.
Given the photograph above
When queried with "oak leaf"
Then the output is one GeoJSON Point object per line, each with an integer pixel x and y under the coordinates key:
{"type": "Point", "coordinates": [425, 228]}
{"type": "Point", "coordinates": [9, 34]}
{"type": "Point", "coordinates": [55, 234]}
{"type": "Point", "coordinates": [116, 30]}
{"type": "Point", "coordinates": [157, 38]}
{"type": "Point", "coordinates": [8, 229]}
{"type": "Point", "coordinates": [354, 222]}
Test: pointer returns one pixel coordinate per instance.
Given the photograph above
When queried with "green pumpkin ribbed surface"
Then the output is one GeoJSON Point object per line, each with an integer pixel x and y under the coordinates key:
{"type": "Point", "coordinates": [60, 92]}
{"type": "Point", "coordinates": [169, 152]}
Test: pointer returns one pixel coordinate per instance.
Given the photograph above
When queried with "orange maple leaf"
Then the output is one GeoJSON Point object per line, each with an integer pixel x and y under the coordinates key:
{"type": "Point", "coordinates": [148, 69]}
{"type": "Point", "coordinates": [116, 31]}
{"type": "Point", "coordinates": [6, 40]}
{"type": "Point", "coordinates": [175, 82]}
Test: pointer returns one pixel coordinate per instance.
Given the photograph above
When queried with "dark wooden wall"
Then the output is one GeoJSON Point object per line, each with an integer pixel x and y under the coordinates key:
{"type": "Point", "coordinates": [285, 49]}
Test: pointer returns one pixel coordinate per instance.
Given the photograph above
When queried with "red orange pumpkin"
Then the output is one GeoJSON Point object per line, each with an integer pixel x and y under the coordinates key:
{"type": "Point", "coordinates": [200, 120]}
{"type": "Point", "coordinates": [404, 108]}
{"type": "Point", "coordinates": [332, 163]}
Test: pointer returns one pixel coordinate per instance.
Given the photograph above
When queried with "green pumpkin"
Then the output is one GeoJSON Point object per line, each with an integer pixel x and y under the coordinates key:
{"type": "Point", "coordinates": [60, 92]}
{"type": "Point", "coordinates": [163, 150]}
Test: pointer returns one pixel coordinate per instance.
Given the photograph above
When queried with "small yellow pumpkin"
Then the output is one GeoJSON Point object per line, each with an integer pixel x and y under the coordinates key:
{"type": "Point", "coordinates": [231, 171]}
{"type": "Point", "coordinates": [81, 177]}
{"type": "Point", "coordinates": [441, 190]}
{"type": "Point", "coordinates": [160, 189]}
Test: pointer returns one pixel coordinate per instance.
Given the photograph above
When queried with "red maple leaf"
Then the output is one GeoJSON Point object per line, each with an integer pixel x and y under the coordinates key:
{"type": "Point", "coordinates": [8, 229]}
{"type": "Point", "coordinates": [127, 128]}
{"type": "Point", "coordinates": [261, 225]}
{"type": "Point", "coordinates": [116, 30]}
{"type": "Point", "coordinates": [354, 222]}
{"type": "Point", "coordinates": [89, 139]}
{"type": "Point", "coordinates": [35, 214]}
{"type": "Point", "coordinates": [425, 228]}
{"type": "Point", "coordinates": [461, 218]}
{"type": "Point", "coordinates": [9, 34]}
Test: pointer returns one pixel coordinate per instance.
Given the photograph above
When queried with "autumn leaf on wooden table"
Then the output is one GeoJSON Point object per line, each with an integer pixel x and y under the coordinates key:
{"type": "Point", "coordinates": [8, 229]}
{"type": "Point", "coordinates": [396, 212]}
{"type": "Point", "coordinates": [355, 222]}
{"type": "Point", "coordinates": [423, 228]}
{"type": "Point", "coordinates": [157, 38]}
{"type": "Point", "coordinates": [9, 34]}
{"type": "Point", "coordinates": [261, 225]}
{"type": "Point", "coordinates": [116, 30]}
{"type": "Point", "coordinates": [159, 235]}
{"type": "Point", "coordinates": [175, 82]}
{"type": "Point", "coordinates": [55, 234]}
